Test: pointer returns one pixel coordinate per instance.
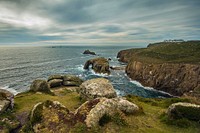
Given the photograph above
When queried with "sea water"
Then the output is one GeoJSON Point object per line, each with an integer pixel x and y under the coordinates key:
{"type": "Point", "coordinates": [19, 66]}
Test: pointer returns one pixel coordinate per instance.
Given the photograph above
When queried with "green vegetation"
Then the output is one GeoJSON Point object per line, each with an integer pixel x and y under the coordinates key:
{"type": "Point", "coordinates": [182, 122]}
{"type": "Point", "coordinates": [26, 101]}
{"type": "Point", "coordinates": [152, 118]}
{"type": "Point", "coordinates": [117, 118]}
{"type": "Point", "coordinates": [167, 52]}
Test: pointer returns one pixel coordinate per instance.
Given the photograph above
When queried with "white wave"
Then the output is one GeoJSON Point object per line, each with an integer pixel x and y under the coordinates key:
{"type": "Point", "coordinates": [100, 74]}
{"type": "Point", "coordinates": [80, 68]}
{"type": "Point", "coordinates": [119, 92]}
{"type": "Point", "coordinates": [148, 88]}
{"type": "Point", "coordinates": [13, 91]}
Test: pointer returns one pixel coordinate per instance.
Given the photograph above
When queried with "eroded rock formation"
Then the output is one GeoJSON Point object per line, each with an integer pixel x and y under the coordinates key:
{"type": "Point", "coordinates": [99, 65]}
{"type": "Point", "coordinates": [176, 79]}
{"type": "Point", "coordinates": [64, 80]}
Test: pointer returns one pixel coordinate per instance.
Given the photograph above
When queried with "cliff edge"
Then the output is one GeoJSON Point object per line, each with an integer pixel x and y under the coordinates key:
{"type": "Point", "coordinates": [173, 67]}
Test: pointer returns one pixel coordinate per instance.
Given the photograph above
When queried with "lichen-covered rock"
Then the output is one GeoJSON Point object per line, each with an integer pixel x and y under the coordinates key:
{"type": "Point", "coordinates": [51, 116]}
{"type": "Point", "coordinates": [8, 124]}
{"type": "Point", "coordinates": [105, 106]}
{"type": "Point", "coordinates": [71, 80]}
{"type": "Point", "coordinates": [55, 77]}
{"type": "Point", "coordinates": [82, 112]}
{"type": "Point", "coordinates": [109, 107]}
{"type": "Point", "coordinates": [126, 106]}
{"type": "Point", "coordinates": [55, 83]}
{"type": "Point", "coordinates": [94, 88]}
{"type": "Point", "coordinates": [41, 86]}
{"type": "Point", "coordinates": [6, 100]}
{"type": "Point", "coordinates": [92, 111]}
{"type": "Point", "coordinates": [4, 104]}
{"type": "Point", "coordinates": [99, 65]}
{"type": "Point", "coordinates": [5, 94]}
{"type": "Point", "coordinates": [184, 110]}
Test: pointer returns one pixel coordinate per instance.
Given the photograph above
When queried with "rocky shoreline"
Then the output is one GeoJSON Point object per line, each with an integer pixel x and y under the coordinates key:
{"type": "Point", "coordinates": [66, 103]}
{"type": "Point", "coordinates": [179, 79]}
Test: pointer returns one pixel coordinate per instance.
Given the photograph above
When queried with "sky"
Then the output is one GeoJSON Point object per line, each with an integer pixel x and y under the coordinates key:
{"type": "Point", "coordinates": [97, 22]}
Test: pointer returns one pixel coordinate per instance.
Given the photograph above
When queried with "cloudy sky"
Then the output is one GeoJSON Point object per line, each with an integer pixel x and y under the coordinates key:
{"type": "Point", "coordinates": [97, 22]}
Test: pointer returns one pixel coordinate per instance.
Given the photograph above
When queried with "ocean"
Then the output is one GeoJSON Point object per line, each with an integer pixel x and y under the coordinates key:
{"type": "Point", "coordinates": [19, 66]}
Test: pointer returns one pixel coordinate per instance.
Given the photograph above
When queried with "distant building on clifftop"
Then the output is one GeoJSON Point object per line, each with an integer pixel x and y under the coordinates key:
{"type": "Point", "coordinates": [175, 40]}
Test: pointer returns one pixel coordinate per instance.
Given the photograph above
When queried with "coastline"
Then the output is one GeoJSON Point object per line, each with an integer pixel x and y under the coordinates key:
{"type": "Point", "coordinates": [179, 78]}
{"type": "Point", "coordinates": [81, 102]}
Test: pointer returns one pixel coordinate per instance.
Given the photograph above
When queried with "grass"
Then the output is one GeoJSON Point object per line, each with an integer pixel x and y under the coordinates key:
{"type": "Point", "coordinates": [153, 118]}
{"type": "Point", "coordinates": [185, 52]}
{"type": "Point", "coordinates": [26, 101]}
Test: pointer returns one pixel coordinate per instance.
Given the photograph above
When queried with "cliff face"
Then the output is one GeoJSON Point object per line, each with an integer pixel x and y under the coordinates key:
{"type": "Point", "coordinates": [124, 56]}
{"type": "Point", "coordinates": [175, 79]}
{"type": "Point", "coordinates": [170, 67]}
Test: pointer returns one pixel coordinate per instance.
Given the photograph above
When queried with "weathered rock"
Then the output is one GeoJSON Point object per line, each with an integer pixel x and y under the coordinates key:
{"type": "Point", "coordinates": [126, 106]}
{"type": "Point", "coordinates": [125, 55]}
{"type": "Point", "coordinates": [117, 68]}
{"type": "Point", "coordinates": [41, 86]}
{"type": "Point", "coordinates": [172, 72]}
{"type": "Point", "coordinates": [71, 80]}
{"type": "Point", "coordinates": [89, 52]}
{"type": "Point", "coordinates": [82, 112]}
{"type": "Point", "coordinates": [175, 79]}
{"type": "Point", "coordinates": [5, 94]}
{"type": "Point", "coordinates": [6, 100]}
{"type": "Point", "coordinates": [184, 110]}
{"type": "Point", "coordinates": [8, 124]}
{"type": "Point", "coordinates": [94, 88]}
{"type": "Point", "coordinates": [4, 104]}
{"type": "Point", "coordinates": [55, 83]}
{"type": "Point", "coordinates": [51, 116]}
{"type": "Point", "coordinates": [99, 65]}
{"type": "Point", "coordinates": [55, 77]}
{"type": "Point", "coordinates": [92, 111]}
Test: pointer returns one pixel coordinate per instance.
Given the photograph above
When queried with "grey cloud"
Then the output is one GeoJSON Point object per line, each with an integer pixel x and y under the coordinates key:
{"type": "Point", "coordinates": [98, 20]}
{"type": "Point", "coordinates": [112, 29]}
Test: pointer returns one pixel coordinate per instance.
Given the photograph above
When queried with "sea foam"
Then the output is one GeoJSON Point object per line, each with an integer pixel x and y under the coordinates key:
{"type": "Point", "coordinates": [13, 91]}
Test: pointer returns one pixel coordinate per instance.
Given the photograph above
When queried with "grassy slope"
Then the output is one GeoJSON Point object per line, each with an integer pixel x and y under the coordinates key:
{"type": "Point", "coordinates": [185, 52]}
{"type": "Point", "coordinates": [148, 122]}
{"type": "Point", "coordinates": [26, 101]}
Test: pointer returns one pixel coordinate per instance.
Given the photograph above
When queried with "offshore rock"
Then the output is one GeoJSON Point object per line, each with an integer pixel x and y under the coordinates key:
{"type": "Point", "coordinates": [184, 110]}
{"type": "Point", "coordinates": [99, 65]}
{"type": "Point", "coordinates": [89, 52]}
{"type": "Point", "coordinates": [95, 88]}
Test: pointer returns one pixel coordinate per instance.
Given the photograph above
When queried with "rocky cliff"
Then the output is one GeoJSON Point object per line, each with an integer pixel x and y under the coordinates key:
{"type": "Point", "coordinates": [170, 67]}
{"type": "Point", "coordinates": [176, 79]}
